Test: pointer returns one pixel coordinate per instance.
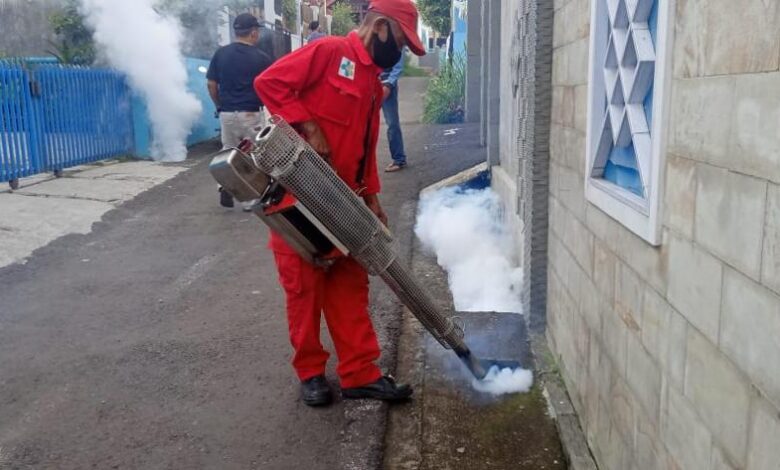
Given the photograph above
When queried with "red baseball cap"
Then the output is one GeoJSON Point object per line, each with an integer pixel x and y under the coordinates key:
{"type": "Point", "coordinates": [405, 13]}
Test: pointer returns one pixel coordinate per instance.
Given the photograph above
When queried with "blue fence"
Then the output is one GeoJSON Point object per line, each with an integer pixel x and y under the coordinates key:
{"type": "Point", "coordinates": [53, 117]}
{"type": "Point", "coordinates": [85, 115]}
{"type": "Point", "coordinates": [18, 157]}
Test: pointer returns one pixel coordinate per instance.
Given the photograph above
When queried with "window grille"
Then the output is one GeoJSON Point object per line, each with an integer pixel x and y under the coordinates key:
{"type": "Point", "coordinates": [626, 115]}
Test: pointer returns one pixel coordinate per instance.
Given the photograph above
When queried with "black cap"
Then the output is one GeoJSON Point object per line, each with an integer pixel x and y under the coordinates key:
{"type": "Point", "coordinates": [245, 21]}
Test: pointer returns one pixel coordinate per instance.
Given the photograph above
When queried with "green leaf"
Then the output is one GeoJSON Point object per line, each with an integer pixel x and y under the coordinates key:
{"type": "Point", "coordinates": [437, 14]}
{"type": "Point", "coordinates": [74, 44]}
{"type": "Point", "coordinates": [444, 100]}
{"type": "Point", "coordinates": [342, 22]}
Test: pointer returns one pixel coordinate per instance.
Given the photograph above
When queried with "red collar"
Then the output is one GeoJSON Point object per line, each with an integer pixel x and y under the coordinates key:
{"type": "Point", "coordinates": [360, 49]}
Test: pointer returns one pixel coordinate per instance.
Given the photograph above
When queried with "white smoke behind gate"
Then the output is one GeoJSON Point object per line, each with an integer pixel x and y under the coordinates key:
{"type": "Point", "coordinates": [464, 229]}
{"type": "Point", "coordinates": [146, 46]}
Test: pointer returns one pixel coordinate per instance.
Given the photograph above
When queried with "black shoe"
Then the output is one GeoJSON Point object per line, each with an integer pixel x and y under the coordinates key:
{"type": "Point", "coordinates": [383, 389]}
{"type": "Point", "coordinates": [316, 391]}
{"type": "Point", "coordinates": [225, 199]}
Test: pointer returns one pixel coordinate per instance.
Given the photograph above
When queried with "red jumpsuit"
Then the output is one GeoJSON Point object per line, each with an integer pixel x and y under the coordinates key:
{"type": "Point", "coordinates": [334, 82]}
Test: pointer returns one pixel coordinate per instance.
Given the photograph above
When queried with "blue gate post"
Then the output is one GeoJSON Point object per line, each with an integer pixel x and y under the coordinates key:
{"type": "Point", "coordinates": [18, 149]}
{"type": "Point", "coordinates": [34, 123]}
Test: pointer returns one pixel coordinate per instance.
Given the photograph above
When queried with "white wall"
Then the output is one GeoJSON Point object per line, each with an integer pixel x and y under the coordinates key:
{"type": "Point", "coordinates": [671, 354]}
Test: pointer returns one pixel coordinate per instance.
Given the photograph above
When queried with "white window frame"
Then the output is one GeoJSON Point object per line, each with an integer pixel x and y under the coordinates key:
{"type": "Point", "coordinates": [640, 215]}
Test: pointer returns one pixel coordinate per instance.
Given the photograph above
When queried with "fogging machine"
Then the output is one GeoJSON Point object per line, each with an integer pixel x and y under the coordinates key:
{"type": "Point", "coordinates": [300, 197]}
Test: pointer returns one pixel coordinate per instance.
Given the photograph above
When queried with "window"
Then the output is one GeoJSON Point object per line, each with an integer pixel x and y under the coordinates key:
{"type": "Point", "coordinates": [630, 47]}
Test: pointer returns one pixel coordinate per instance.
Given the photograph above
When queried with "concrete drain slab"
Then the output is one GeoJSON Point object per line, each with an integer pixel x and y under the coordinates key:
{"type": "Point", "coordinates": [464, 428]}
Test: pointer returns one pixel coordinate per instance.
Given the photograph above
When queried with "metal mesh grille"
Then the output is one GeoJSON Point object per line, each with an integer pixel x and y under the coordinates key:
{"type": "Point", "coordinates": [531, 75]}
{"type": "Point", "coordinates": [283, 154]}
{"type": "Point", "coordinates": [422, 306]}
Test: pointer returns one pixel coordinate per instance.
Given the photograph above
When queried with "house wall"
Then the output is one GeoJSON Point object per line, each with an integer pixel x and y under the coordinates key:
{"type": "Point", "coordinates": [506, 173]}
{"type": "Point", "coordinates": [473, 62]}
{"type": "Point", "coordinates": [522, 173]}
{"type": "Point", "coordinates": [671, 355]}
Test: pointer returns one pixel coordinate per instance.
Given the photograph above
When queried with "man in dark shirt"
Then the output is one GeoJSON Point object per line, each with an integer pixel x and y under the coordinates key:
{"type": "Point", "coordinates": [230, 78]}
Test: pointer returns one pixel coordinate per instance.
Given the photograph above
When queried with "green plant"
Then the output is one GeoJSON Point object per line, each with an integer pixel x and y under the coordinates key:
{"type": "Point", "coordinates": [74, 44]}
{"type": "Point", "coordinates": [437, 14]}
{"type": "Point", "coordinates": [343, 21]}
{"type": "Point", "coordinates": [290, 14]}
{"type": "Point", "coordinates": [445, 96]}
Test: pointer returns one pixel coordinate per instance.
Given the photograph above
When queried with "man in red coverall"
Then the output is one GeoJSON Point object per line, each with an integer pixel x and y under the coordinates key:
{"type": "Point", "coordinates": [330, 91]}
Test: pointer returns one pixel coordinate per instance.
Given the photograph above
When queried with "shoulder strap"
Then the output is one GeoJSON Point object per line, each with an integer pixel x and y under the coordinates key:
{"type": "Point", "coordinates": [361, 173]}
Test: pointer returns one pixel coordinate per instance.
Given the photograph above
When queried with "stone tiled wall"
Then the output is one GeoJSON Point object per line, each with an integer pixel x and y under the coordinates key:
{"type": "Point", "coordinates": [672, 354]}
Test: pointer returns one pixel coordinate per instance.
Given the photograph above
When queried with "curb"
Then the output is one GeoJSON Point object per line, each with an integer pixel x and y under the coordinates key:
{"type": "Point", "coordinates": [573, 441]}
{"type": "Point", "coordinates": [454, 180]}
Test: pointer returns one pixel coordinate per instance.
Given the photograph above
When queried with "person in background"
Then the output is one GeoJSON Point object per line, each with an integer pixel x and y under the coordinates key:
{"type": "Point", "coordinates": [314, 32]}
{"type": "Point", "coordinates": [389, 78]}
{"type": "Point", "coordinates": [230, 76]}
{"type": "Point", "coordinates": [330, 91]}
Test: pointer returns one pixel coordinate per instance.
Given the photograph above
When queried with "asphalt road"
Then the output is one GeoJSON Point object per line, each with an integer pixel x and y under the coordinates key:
{"type": "Point", "coordinates": [158, 340]}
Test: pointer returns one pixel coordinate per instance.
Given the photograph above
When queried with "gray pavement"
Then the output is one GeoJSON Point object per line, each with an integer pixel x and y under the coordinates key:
{"type": "Point", "coordinates": [46, 208]}
{"type": "Point", "coordinates": [156, 338]}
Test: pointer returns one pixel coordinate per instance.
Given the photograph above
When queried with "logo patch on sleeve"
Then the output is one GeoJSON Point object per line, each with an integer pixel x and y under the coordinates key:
{"type": "Point", "coordinates": [347, 69]}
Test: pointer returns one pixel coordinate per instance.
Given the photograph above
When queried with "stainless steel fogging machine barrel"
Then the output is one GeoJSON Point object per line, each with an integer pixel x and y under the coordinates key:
{"type": "Point", "coordinates": [301, 198]}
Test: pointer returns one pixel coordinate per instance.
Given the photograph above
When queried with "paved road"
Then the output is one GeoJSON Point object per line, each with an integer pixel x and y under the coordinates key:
{"type": "Point", "coordinates": [158, 340]}
{"type": "Point", "coordinates": [45, 208]}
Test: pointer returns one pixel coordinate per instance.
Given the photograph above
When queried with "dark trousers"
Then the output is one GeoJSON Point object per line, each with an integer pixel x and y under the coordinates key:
{"type": "Point", "coordinates": [393, 121]}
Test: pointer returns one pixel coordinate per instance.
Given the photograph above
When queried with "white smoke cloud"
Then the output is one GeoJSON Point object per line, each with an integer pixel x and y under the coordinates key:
{"type": "Point", "coordinates": [506, 380]}
{"type": "Point", "coordinates": [465, 231]}
{"type": "Point", "coordinates": [146, 46]}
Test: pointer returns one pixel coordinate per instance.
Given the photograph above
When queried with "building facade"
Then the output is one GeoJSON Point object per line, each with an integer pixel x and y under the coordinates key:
{"type": "Point", "coordinates": [662, 222]}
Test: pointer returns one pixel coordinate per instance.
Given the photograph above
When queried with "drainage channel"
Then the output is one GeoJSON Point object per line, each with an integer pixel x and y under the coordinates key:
{"type": "Point", "coordinates": [450, 425]}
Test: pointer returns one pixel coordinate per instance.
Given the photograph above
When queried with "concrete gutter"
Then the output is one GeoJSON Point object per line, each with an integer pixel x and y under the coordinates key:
{"type": "Point", "coordinates": [406, 433]}
{"type": "Point", "coordinates": [573, 441]}
{"type": "Point", "coordinates": [455, 180]}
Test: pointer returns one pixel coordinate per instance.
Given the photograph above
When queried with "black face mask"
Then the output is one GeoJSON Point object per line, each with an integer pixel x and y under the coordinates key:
{"type": "Point", "coordinates": [385, 54]}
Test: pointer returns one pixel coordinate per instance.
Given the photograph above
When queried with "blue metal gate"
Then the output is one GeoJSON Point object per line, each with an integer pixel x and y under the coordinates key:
{"type": "Point", "coordinates": [18, 158]}
{"type": "Point", "coordinates": [54, 116]}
